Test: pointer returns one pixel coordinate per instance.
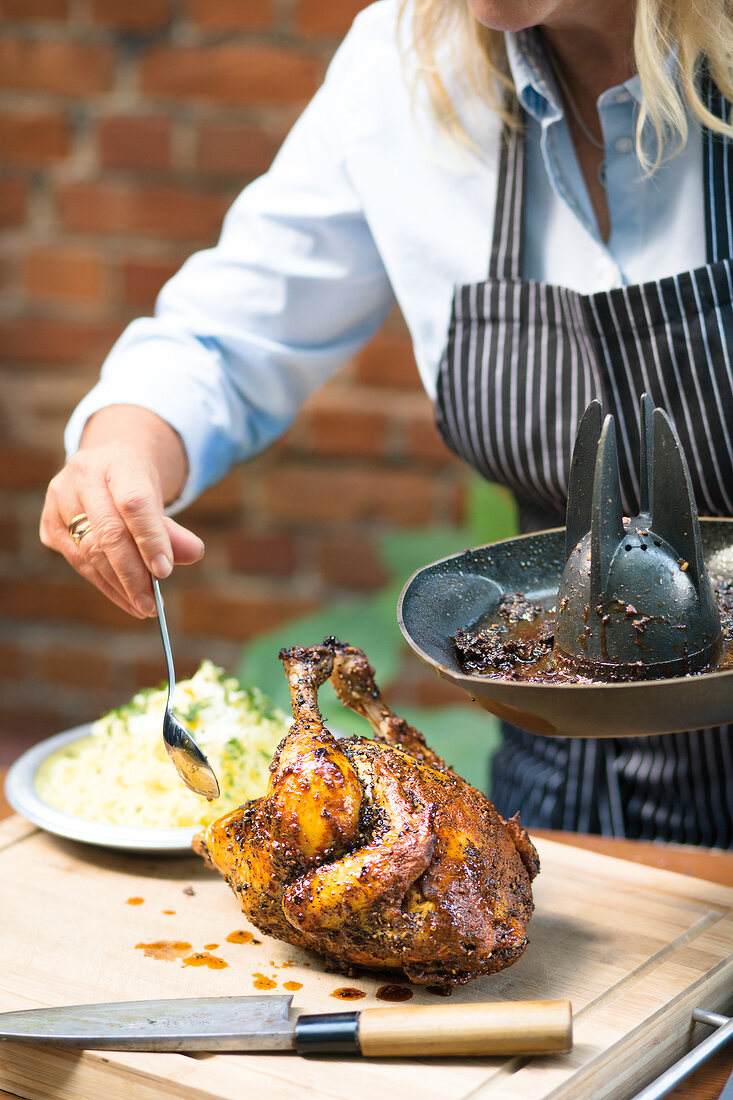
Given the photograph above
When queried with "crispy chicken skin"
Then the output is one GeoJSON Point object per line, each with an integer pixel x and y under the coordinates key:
{"type": "Point", "coordinates": [374, 853]}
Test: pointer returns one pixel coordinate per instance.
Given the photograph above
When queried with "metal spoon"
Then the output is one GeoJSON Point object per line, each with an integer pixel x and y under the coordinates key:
{"type": "Point", "coordinates": [188, 759]}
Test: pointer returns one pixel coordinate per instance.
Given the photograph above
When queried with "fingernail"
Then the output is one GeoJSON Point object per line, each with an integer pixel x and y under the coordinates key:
{"type": "Point", "coordinates": [161, 566]}
{"type": "Point", "coordinates": [203, 551]}
{"type": "Point", "coordinates": [145, 604]}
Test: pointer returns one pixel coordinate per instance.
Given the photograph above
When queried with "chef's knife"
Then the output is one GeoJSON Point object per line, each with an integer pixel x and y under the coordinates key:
{"type": "Point", "coordinates": [263, 1023]}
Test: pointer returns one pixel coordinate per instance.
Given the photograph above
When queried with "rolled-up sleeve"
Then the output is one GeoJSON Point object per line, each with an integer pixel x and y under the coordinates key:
{"type": "Point", "coordinates": [248, 329]}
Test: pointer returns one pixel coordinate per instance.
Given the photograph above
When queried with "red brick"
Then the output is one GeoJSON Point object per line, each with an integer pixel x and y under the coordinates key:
{"type": "Point", "coordinates": [231, 15]}
{"type": "Point", "coordinates": [22, 727]}
{"type": "Point", "coordinates": [142, 279]}
{"type": "Point", "coordinates": [10, 539]}
{"type": "Point", "coordinates": [76, 666]}
{"type": "Point", "coordinates": [351, 562]}
{"type": "Point", "coordinates": [45, 340]}
{"type": "Point", "coordinates": [294, 440]}
{"type": "Point", "coordinates": [11, 661]}
{"type": "Point", "coordinates": [150, 671]}
{"type": "Point", "coordinates": [34, 137]}
{"type": "Point", "coordinates": [424, 442]}
{"type": "Point", "coordinates": [61, 68]}
{"type": "Point", "coordinates": [13, 202]}
{"type": "Point", "coordinates": [45, 399]}
{"type": "Point", "coordinates": [347, 430]}
{"type": "Point", "coordinates": [387, 360]}
{"type": "Point", "coordinates": [120, 209]}
{"type": "Point", "coordinates": [37, 599]}
{"type": "Point", "coordinates": [62, 274]}
{"type": "Point", "coordinates": [252, 75]}
{"type": "Point", "coordinates": [227, 615]}
{"type": "Point", "coordinates": [269, 555]}
{"type": "Point", "coordinates": [135, 142]}
{"type": "Point", "coordinates": [221, 502]}
{"type": "Point", "coordinates": [346, 495]}
{"type": "Point", "coordinates": [326, 17]}
{"type": "Point", "coordinates": [132, 15]}
{"type": "Point", "coordinates": [453, 501]}
{"type": "Point", "coordinates": [230, 150]}
{"type": "Point", "coordinates": [24, 468]}
{"type": "Point", "coordinates": [34, 9]}
{"type": "Point", "coordinates": [432, 692]}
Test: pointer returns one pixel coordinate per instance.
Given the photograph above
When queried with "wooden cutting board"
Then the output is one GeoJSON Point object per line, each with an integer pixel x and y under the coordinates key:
{"type": "Point", "coordinates": [634, 949]}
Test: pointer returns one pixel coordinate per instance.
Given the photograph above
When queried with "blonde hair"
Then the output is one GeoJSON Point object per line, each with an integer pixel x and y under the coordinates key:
{"type": "Point", "coordinates": [702, 34]}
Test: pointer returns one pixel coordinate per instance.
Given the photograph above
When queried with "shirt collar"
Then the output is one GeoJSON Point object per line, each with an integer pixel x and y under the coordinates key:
{"type": "Point", "coordinates": [535, 81]}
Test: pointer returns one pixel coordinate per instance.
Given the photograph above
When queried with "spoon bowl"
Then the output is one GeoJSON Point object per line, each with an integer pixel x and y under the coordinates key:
{"type": "Point", "coordinates": [188, 759]}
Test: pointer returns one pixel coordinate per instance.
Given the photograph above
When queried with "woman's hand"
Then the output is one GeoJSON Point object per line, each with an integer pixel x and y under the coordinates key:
{"type": "Point", "coordinates": [129, 464]}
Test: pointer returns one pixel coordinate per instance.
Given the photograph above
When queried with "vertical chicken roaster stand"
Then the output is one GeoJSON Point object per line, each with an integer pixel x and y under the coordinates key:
{"type": "Point", "coordinates": [635, 609]}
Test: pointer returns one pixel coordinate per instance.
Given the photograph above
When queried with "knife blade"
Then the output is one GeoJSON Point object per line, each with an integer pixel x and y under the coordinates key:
{"type": "Point", "coordinates": [264, 1023]}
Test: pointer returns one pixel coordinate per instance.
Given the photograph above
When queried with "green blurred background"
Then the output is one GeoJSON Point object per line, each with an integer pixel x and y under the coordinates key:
{"type": "Point", "coordinates": [464, 734]}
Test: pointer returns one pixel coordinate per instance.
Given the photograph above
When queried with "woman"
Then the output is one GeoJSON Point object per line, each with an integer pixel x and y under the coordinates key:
{"type": "Point", "coordinates": [406, 177]}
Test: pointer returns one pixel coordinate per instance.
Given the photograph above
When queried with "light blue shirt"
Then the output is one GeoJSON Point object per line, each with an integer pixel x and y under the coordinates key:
{"type": "Point", "coordinates": [370, 201]}
{"type": "Point", "coordinates": [656, 221]}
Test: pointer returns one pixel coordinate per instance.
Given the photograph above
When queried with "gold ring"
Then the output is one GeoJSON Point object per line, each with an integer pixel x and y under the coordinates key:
{"type": "Point", "coordinates": [79, 527]}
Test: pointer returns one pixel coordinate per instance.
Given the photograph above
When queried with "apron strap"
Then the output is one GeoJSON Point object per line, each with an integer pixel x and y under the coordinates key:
{"type": "Point", "coordinates": [718, 179]}
{"type": "Point", "coordinates": [506, 249]}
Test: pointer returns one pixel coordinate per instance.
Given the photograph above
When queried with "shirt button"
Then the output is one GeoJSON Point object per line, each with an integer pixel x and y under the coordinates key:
{"type": "Point", "coordinates": [623, 145]}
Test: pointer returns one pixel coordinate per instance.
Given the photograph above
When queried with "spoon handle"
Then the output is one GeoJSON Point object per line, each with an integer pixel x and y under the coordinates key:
{"type": "Point", "coordinates": [164, 635]}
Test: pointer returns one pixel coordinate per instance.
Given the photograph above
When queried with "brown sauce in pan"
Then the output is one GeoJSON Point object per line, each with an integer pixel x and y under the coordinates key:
{"type": "Point", "coordinates": [516, 642]}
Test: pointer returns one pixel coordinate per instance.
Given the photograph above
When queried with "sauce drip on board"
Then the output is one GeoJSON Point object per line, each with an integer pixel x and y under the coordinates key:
{"type": "Point", "coordinates": [292, 986]}
{"type": "Point", "coordinates": [203, 958]}
{"type": "Point", "coordinates": [394, 993]}
{"type": "Point", "coordinates": [240, 937]}
{"type": "Point", "coordinates": [135, 901]}
{"type": "Point", "coordinates": [164, 949]}
{"type": "Point", "coordinates": [348, 993]}
{"type": "Point", "coordinates": [263, 982]}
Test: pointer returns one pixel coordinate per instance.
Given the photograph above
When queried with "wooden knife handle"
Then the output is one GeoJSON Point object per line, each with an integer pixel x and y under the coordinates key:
{"type": "Point", "coordinates": [506, 1027]}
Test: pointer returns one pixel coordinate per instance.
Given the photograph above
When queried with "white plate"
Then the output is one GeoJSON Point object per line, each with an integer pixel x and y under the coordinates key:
{"type": "Point", "coordinates": [20, 791]}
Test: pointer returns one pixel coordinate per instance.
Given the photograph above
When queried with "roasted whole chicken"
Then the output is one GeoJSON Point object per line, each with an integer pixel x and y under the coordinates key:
{"type": "Point", "coordinates": [373, 852]}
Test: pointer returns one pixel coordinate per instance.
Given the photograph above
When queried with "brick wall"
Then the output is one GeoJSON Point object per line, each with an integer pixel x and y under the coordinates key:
{"type": "Point", "coordinates": [126, 128]}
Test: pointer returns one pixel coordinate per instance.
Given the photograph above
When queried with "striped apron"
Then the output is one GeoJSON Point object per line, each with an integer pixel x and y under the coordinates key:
{"type": "Point", "coordinates": [522, 361]}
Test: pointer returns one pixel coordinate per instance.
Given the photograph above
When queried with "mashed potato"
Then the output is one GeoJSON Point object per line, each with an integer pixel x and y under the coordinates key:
{"type": "Point", "coordinates": [121, 773]}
